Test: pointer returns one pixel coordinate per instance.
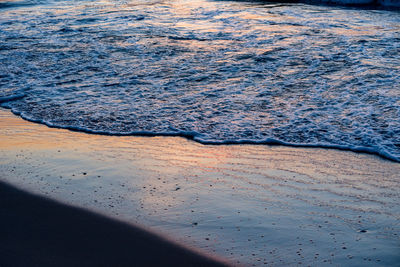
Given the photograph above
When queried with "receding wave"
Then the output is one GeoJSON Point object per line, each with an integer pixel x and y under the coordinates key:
{"type": "Point", "coordinates": [216, 72]}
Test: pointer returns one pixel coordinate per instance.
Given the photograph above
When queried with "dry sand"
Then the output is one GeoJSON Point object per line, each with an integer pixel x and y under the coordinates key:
{"type": "Point", "coordinates": [249, 204]}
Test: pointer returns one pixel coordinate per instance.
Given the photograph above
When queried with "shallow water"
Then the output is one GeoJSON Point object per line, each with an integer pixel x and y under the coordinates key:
{"type": "Point", "coordinates": [214, 71]}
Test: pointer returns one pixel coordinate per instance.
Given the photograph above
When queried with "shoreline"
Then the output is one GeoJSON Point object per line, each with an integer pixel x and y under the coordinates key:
{"type": "Point", "coordinates": [247, 204]}
{"type": "Point", "coordinates": [193, 136]}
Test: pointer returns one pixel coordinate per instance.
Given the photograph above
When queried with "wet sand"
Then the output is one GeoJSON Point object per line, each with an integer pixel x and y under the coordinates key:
{"type": "Point", "coordinates": [248, 204]}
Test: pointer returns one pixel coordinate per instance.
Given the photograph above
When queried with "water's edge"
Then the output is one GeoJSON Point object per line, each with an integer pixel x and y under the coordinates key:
{"type": "Point", "coordinates": [194, 137]}
{"type": "Point", "coordinates": [294, 75]}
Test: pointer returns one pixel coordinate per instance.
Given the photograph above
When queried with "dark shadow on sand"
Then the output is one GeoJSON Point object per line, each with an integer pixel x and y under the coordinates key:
{"type": "Point", "coordinates": [35, 231]}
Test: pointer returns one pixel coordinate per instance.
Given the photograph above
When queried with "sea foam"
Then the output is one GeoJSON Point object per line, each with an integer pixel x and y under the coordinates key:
{"type": "Point", "coordinates": [216, 72]}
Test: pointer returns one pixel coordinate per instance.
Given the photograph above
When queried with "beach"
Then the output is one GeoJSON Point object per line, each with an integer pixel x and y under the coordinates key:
{"type": "Point", "coordinates": [38, 232]}
{"type": "Point", "coordinates": [181, 132]}
{"type": "Point", "coordinates": [245, 204]}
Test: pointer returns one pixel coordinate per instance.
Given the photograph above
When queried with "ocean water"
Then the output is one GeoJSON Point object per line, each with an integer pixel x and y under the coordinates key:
{"type": "Point", "coordinates": [213, 71]}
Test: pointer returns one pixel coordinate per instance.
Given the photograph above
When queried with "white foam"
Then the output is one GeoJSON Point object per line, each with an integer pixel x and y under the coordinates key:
{"type": "Point", "coordinates": [225, 72]}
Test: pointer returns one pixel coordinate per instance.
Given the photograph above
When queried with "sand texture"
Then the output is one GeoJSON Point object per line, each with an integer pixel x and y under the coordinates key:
{"type": "Point", "coordinates": [38, 232]}
{"type": "Point", "coordinates": [249, 204]}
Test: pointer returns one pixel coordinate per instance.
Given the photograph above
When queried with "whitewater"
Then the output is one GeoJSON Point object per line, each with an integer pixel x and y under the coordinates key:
{"type": "Point", "coordinates": [217, 72]}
